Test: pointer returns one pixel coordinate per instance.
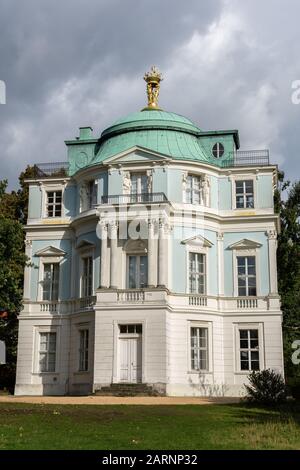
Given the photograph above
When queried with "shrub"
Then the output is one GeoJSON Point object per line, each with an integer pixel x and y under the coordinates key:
{"type": "Point", "coordinates": [266, 387]}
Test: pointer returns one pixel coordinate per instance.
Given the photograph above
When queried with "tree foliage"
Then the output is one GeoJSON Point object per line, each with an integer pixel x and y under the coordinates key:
{"type": "Point", "coordinates": [287, 203]}
{"type": "Point", "coordinates": [13, 214]}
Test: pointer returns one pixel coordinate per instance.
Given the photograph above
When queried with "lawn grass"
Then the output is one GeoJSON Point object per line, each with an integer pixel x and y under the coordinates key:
{"type": "Point", "coordinates": [24, 426]}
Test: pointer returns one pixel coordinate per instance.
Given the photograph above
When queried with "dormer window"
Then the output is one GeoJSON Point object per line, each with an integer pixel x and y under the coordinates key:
{"type": "Point", "coordinates": [218, 150]}
{"type": "Point", "coordinates": [54, 203]}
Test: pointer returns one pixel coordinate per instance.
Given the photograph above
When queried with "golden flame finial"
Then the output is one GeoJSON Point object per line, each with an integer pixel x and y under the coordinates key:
{"type": "Point", "coordinates": [153, 79]}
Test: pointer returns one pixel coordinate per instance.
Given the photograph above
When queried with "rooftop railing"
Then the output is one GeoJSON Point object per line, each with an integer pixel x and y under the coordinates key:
{"type": "Point", "coordinates": [247, 158]}
{"type": "Point", "coordinates": [142, 198]}
{"type": "Point", "coordinates": [51, 170]}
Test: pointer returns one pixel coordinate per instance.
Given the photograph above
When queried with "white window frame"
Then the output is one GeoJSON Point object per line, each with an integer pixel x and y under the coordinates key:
{"type": "Point", "coordinates": [49, 260]}
{"type": "Point", "coordinates": [196, 324]}
{"type": "Point", "coordinates": [248, 326]}
{"type": "Point", "coordinates": [247, 275]}
{"type": "Point", "coordinates": [139, 175]}
{"type": "Point", "coordinates": [200, 178]}
{"type": "Point", "coordinates": [45, 188]}
{"type": "Point", "coordinates": [51, 286]}
{"type": "Point", "coordinates": [86, 351]}
{"type": "Point", "coordinates": [36, 348]}
{"type": "Point", "coordinates": [198, 253]}
{"type": "Point", "coordinates": [200, 245]}
{"type": "Point", "coordinates": [83, 256]}
{"type": "Point", "coordinates": [243, 177]}
{"type": "Point", "coordinates": [137, 255]}
{"type": "Point", "coordinates": [246, 252]}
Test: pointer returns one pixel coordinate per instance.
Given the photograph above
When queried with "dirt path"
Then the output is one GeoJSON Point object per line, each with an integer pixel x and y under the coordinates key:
{"type": "Point", "coordinates": [94, 400]}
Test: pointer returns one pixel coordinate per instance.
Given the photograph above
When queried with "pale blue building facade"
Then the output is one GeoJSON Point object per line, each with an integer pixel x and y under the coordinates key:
{"type": "Point", "coordinates": [153, 264]}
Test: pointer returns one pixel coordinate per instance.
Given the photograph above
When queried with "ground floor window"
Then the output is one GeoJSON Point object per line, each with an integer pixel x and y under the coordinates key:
{"type": "Point", "coordinates": [47, 352]}
{"type": "Point", "coordinates": [199, 348]}
{"type": "Point", "coordinates": [249, 349]}
{"type": "Point", "coordinates": [83, 350]}
{"type": "Point", "coordinates": [131, 329]}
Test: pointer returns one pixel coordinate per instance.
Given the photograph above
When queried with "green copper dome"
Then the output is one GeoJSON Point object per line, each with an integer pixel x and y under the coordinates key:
{"type": "Point", "coordinates": [167, 133]}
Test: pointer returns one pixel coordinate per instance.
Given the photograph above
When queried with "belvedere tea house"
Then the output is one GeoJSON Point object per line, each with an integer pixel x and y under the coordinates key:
{"type": "Point", "coordinates": [153, 262]}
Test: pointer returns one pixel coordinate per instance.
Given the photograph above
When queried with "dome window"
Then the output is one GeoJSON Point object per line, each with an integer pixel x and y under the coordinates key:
{"type": "Point", "coordinates": [218, 150]}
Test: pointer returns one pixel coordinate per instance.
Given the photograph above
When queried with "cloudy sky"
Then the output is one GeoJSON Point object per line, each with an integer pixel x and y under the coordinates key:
{"type": "Point", "coordinates": [70, 63]}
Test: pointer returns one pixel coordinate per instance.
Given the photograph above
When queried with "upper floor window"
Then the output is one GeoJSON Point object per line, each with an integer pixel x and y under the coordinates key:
{"type": "Point", "coordinates": [137, 271]}
{"type": "Point", "coordinates": [197, 273]}
{"type": "Point", "coordinates": [139, 183]}
{"type": "Point", "coordinates": [83, 350]}
{"type": "Point", "coordinates": [51, 281]}
{"type": "Point", "coordinates": [92, 194]}
{"type": "Point", "coordinates": [244, 194]}
{"type": "Point", "coordinates": [193, 189]}
{"type": "Point", "coordinates": [87, 276]}
{"type": "Point", "coordinates": [246, 271]}
{"type": "Point", "coordinates": [47, 352]}
{"type": "Point", "coordinates": [249, 349]}
{"type": "Point", "coordinates": [199, 348]}
{"type": "Point", "coordinates": [54, 203]}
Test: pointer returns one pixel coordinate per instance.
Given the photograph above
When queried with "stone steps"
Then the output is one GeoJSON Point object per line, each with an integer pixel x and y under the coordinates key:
{"type": "Point", "coordinates": [127, 390]}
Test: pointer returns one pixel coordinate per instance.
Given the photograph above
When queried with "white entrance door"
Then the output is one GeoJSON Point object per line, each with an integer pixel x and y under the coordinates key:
{"type": "Point", "coordinates": [131, 359]}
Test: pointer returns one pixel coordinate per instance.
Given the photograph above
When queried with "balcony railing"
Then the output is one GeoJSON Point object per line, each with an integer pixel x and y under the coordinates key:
{"type": "Point", "coordinates": [51, 170]}
{"type": "Point", "coordinates": [143, 198]}
{"type": "Point", "coordinates": [247, 158]}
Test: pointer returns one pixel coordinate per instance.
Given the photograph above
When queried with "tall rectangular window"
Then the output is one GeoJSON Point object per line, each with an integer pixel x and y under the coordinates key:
{"type": "Point", "coordinates": [139, 191]}
{"type": "Point", "coordinates": [54, 203]}
{"type": "Point", "coordinates": [92, 194]}
{"type": "Point", "coordinates": [246, 269]}
{"type": "Point", "coordinates": [137, 271]}
{"type": "Point", "coordinates": [199, 348]}
{"type": "Point", "coordinates": [87, 276]}
{"type": "Point", "coordinates": [193, 189]}
{"type": "Point", "coordinates": [47, 352]}
{"type": "Point", "coordinates": [51, 281]}
{"type": "Point", "coordinates": [197, 275]}
{"type": "Point", "coordinates": [249, 349]}
{"type": "Point", "coordinates": [83, 350]}
{"type": "Point", "coordinates": [244, 194]}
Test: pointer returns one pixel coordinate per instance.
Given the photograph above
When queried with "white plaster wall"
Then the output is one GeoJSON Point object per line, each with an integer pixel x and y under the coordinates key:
{"type": "Point", "coordinates": [154, 343]}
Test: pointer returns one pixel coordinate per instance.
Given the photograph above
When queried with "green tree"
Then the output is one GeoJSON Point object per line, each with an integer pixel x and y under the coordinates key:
{"type": "Point", "coordinates": [13, 214]}
{"type": "Point", "coordinates": [288, 259]}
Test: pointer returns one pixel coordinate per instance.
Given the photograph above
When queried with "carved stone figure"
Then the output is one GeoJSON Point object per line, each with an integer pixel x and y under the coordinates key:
{"type": "Point", "coordinates": [205, 185]}
{"type": "Point", "coordinates": [84, 197]}
{"type": "Point", "coordinates": [126, 182]}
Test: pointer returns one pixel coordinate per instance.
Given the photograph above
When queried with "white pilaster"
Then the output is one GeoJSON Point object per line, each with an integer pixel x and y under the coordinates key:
{"type": "Point", "coordinates": [272, 244]}
{"type": "Point", "coordinates": [152, 258]}
{"type": "Point", "coordinates": [27, 272]}
{"type": "Point", "coordinates": [163, 254]}
{"type": "Point", "coordinates": [220, 244]}
{"type": "Point", "coordinates": [103, 256]}
{"type": "Point", "coordinates": [113, 255]}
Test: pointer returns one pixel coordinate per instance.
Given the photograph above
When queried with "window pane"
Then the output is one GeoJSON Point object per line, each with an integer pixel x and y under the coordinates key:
{"type": "Point", "coordinates": [143, 271]}
{"type": "Point", "coordinates": [131, 328]}
{"type": "Point", "coordinates": [123, 328]}
{"type": "Point", "coordinates": [132, 272]}
{"type": "Point", "coordinates": [254, 334]}
{"type": "Point", "coordinates": [249, 186]}
{"type": "Point", "coordinates": [243, 343]}
{"type": "Point", "coordinates": [243, 334]}
{"type": "Point", "coordinates": [255, 365]}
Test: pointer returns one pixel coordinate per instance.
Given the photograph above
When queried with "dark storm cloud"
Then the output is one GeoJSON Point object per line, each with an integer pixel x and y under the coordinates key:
{"type": "Point", "coordinates": [70, 63]}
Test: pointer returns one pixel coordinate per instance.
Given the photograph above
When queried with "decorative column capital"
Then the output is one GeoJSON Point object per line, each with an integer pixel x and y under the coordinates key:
{"type": "Point", "coordinates": [220, 236]}
{"type": "Point", "coordinates": [271, 234]}
{"type": "Point", "coordinates": [28, 243]}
